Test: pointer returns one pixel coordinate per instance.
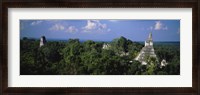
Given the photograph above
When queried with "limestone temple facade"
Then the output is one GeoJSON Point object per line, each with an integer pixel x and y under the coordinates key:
{"type": "Point", "coordinates": [106, 46]}
{"type": "Point", "coordinates": [42, 41]}
{"type": "Point", "coordinates": [147, 50]}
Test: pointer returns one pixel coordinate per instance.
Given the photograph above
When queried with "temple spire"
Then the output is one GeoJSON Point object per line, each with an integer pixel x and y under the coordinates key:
{"type": "Point", "coordinates": [42, 41]}
{"type": "Point", "coordinates": [150, 36]}
{"type": "Point", "coordinates": [147, 50]}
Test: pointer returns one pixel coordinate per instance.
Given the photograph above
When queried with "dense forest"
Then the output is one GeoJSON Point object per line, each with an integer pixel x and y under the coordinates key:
{"type": "Point", "coordinates": [73, 57]}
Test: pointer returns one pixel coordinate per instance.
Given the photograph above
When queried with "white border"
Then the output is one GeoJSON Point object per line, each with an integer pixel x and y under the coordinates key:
{"type": "Point", "coordinates": [183, 80]}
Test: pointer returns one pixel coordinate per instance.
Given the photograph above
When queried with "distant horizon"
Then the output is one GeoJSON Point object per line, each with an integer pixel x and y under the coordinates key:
{"type": "Point", "coordinates": [101, 30]}
{"type": "Point", "coordinates": [51, 39]}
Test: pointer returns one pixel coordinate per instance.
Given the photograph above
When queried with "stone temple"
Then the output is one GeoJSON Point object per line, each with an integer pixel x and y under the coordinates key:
{"type": "Point", "coordinates": [42, 41]}
{"type": "Point", "coordinates": [147, 50]}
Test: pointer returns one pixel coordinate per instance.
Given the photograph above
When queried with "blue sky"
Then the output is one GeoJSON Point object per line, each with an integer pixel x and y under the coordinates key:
{"type": "Point", "coordinates": [101, 30]}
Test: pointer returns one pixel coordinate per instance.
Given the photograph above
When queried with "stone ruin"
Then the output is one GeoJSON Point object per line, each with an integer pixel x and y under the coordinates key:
{"type": "Point", "coordinates": [42, 41]}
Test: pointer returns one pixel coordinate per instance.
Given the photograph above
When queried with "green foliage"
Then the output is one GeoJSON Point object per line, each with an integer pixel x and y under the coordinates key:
{"type": "Point", "coordinates": [171, 53]}
{"type": "Point", "coordinates": [88, 58]}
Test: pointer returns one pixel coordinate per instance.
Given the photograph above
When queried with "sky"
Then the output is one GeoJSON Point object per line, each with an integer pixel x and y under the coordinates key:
{"type": "Point", "coordinates": [101, 30]}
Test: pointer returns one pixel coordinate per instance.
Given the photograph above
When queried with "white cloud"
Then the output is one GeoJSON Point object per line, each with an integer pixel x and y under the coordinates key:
{"type": "Point", "coordinates": [57, 27]}
{"type": "Point", "coordinates": [60, 27]}
{"type": "Point", "coordinates": [113, 20]}
{"type": "Point", "coordinates": [72, 29]}
{"type": "Point", "coordinates": [91, 24]}
{"type": "Point", "coordinates": [158, 26]}
{"type": "Point", "coordinates": [108, 30]}
{"type": "Point", "coordinates": [103, 26]}
{"type": "Point", "coordinates": [94, 25]}
{"type": "Point", "coordinates": [36, 22]}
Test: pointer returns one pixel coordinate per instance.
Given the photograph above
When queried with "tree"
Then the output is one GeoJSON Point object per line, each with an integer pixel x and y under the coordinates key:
{"type": "Point", "coordinates": [134, 67]}
{"type": "Point", "coordinates": [88, 58]}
